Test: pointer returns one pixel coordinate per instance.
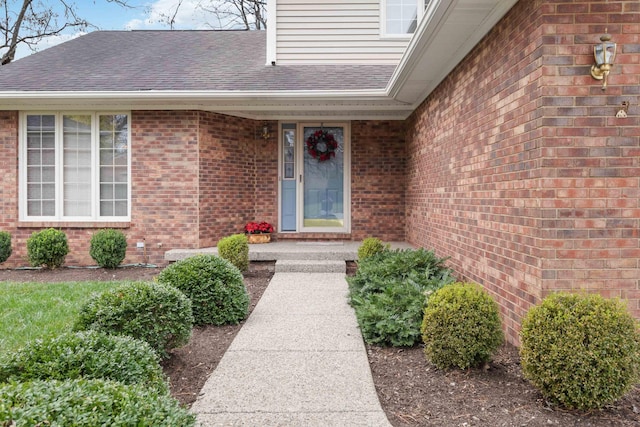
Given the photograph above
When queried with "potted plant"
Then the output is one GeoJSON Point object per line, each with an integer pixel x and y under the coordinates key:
{"type": "Point", "coordinates": [258, 232]}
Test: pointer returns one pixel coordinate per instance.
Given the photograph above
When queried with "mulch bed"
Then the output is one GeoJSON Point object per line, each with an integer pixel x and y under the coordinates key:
{"type": "Point", "coordinates": [411, 390]}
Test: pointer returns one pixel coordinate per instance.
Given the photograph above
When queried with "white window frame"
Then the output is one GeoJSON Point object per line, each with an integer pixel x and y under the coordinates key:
{"type": "Point", "coordinates": [420, 4]}
{"type": "Point", "coordinates": [59, 170]}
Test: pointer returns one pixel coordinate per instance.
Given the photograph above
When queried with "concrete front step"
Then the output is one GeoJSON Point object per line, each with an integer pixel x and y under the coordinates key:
{"type": "Point", "coordinates": [310, 266]}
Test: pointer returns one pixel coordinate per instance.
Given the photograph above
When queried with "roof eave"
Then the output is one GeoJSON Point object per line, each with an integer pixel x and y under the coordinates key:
{"type": "Point", "coordinates": [356, 104]}
{"type": "Point", "coordinates": [446, 34]}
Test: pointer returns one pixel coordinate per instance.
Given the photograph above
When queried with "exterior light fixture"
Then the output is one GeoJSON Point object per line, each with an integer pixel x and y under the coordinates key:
{"type": "Point", "coordinates": [604, 54]}
{"type": "Point", "coordinates": [265, 131]}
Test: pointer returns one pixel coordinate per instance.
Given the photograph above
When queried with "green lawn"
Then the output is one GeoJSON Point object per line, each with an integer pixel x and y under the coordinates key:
{"type": "Point", "coordinates": [36, 310]}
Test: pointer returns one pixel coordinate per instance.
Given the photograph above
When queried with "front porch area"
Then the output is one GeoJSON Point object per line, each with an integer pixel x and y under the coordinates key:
{"type": "Point", "coordinates": [295, 256]}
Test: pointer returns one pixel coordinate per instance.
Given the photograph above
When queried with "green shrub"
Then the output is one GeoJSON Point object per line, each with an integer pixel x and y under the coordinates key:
{"type": "Point", "coordinates": [235, 248]}
{"type": "Point", "coordinates": [108, 248]}
{"type": "Point", "coordinates": [47, 248]}
{"type": "Point", "coordinates": [90, 355]}
{"type": "Point", "coordinates": [214, 285]}
{"type": "Point", "coordinates": [83, 402]}
{"type": "Point", "coordinates": [5, 246]}
{"type": "Point", "coordinates": [461, 327]}
{"type": "Point", "coordinates": [392, 317]}
{"type": "Point", "coordinates": [369, 247]}
{"type": "Point", "coordinates": [581, 351]}
{"type": "Point", "coordinates": [156, 313]}
{"type": "Point", "coordinates": [389, 290]}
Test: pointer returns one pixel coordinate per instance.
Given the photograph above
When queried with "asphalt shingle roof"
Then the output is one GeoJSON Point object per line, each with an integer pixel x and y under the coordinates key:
{"type": "Point", "coordinates": [178, 61]}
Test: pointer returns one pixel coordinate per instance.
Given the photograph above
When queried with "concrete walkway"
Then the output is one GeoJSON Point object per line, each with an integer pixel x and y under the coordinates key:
{"type": "Point", "coordinates": [299, 360]}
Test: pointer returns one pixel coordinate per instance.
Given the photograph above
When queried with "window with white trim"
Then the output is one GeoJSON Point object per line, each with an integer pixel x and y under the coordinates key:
{"type": "Point", "coordinates": [75, 167]}
{"type": "Point", "coordinates": [400, 17]}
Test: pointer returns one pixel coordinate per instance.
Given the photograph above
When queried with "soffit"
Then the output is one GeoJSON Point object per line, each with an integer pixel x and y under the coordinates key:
{"type": "Point", "coordinates": [448, 33]}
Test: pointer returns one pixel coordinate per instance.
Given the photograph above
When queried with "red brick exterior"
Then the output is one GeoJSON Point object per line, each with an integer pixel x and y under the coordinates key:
{"type": "Point", "coordinates": [199, 176]}
{"type": "Point", "coordinates": [378, 180]}
{"type": "Point", "coordinates": [517, 167]}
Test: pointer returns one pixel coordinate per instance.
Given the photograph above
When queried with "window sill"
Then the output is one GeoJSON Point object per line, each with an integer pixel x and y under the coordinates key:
{"type": "Point", "coordinates": [74, 224]}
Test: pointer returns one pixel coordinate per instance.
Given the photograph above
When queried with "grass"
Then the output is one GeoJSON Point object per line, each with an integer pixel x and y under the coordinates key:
{"type": "Point", "coordinates": [36, 310]}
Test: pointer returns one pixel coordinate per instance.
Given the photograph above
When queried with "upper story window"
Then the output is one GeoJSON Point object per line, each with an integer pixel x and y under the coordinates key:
{"type": "Point", "coordinates": [400, 17]}
{"type": "Point", "coordinates": [74, 167]}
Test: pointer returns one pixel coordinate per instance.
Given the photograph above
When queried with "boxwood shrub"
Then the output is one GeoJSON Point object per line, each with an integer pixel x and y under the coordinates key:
{"type": "Point", "coordinates": [461, 327]}
{"type": "Point", "coordinates": [370, 246]}
{"type": "Point", "coordinates": [91, 355]}
{"type": "Point", "coordinates": [83, 402]}
{"type": "Point", "coordinates": [5, 246]}
{"type": "Point", "coordinates": [389, 290]}
{"type": "Point", "coordinates": [108, 248]}
{"type": "Point", "coordinates": [214, 286]}
{"type": "Point", "coordinates": [235, 248]}
{"type": "Point", "coordinates": [581, 351]}
{"type": "Point", "coordinates": [47, 248]}
{"type": "Point", "coordinates": [153, 312]}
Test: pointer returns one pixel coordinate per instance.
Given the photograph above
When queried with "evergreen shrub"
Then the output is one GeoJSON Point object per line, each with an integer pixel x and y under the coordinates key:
{"type": "Point", "coordinates": [214, 286]}
{"type": "Point", "coordinates": [153, 312]}
{"type": "Point", "coordinates": [461, 327]}
{"type": "Point", "coordinates": [389, 291]}
{"type": "Point", "coordinates": [90, 355]}
{"type": "Point", "coordinates": [581, 351]}
{"type": "Point", "coordinates": [83, 402]}
{"type": "Point", "coordinates": [5, 246]}
{"type": "Point", "coordinates": [235, 248]}
{"type": "Point", "coordinates": [108, 248]}
{"type": "Point", "coordinates": [369, 247]}
{"type": "Point", "coordinates": [47, 248]}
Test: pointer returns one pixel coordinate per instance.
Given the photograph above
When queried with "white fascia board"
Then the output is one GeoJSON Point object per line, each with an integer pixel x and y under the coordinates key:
{"type": "Point", "coordinates": [256, 105]}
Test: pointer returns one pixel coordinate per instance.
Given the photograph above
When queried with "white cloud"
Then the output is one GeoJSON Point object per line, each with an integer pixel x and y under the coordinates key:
{"type": "Point", "coordinates": [189, 16]}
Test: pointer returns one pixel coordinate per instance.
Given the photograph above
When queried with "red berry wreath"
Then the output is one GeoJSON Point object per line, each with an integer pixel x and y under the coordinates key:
{"type": "Point", "coordinates": [322, 145]}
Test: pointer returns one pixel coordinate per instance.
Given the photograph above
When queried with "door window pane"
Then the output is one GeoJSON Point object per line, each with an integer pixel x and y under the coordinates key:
{"type": "Point", "coordinates": [324, 181]}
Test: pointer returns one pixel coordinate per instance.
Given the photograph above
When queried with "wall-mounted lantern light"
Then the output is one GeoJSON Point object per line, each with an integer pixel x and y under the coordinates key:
{"type": "Point", "coordinates": [604, 54]}
{"type": "Point", "coordinates": [263, 131]}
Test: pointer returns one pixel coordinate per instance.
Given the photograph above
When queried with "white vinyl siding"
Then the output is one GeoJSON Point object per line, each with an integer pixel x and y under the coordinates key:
{"type": "Point", "coordinates": [333, 31]}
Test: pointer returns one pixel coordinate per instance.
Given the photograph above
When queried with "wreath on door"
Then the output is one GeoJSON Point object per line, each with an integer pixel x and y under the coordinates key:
{"type": "Point", "coordinates": [322, 145]}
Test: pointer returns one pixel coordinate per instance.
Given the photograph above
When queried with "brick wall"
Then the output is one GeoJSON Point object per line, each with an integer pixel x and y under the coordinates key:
{"type": "Point", "coordinates": [517, 168]}
{"type": "Point", "coordinates": [377, 180]}
{"type": "Point", "coordinates": [591, 163]}
{"type": "Point", "coordinates": [164, 169]}
{"type": "Point", "coordinates": [238, 176]}
{"type": "Point", "coordinates": [9, 175]}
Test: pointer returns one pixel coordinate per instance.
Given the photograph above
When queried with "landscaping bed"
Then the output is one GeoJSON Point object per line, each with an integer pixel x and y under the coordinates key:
{"type": "Point", "coordinates": [412, 391]}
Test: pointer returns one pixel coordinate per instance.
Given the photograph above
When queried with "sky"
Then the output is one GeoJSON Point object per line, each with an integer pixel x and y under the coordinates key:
{"type": "Point", "coordinates": [142, 15]}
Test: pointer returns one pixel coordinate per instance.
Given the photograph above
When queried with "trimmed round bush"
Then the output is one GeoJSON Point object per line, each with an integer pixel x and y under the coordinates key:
{"type": "Point", "coordinates": [581, 351]}
{"type": "Point", "coordinates": [214, 286]}
{"type": "Point", "coordinates": [369, 247]}
{"type": "Point", "coordinates": [108, 248]}
{"type": "Point", "coordinates": [5, 246]}
{"type": "Point", "coordinates": [461, 327]}
{"type": "Point", "coordinates": [153, 312]}
{"type": "Point", "coordinates": [47, 248]}
{"type": "Point", "coordinates": [83, 402]}
{"type": "Point", "coordinates": [235, 248]}
{"type": "Point", "coordinates": [90, 355]}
